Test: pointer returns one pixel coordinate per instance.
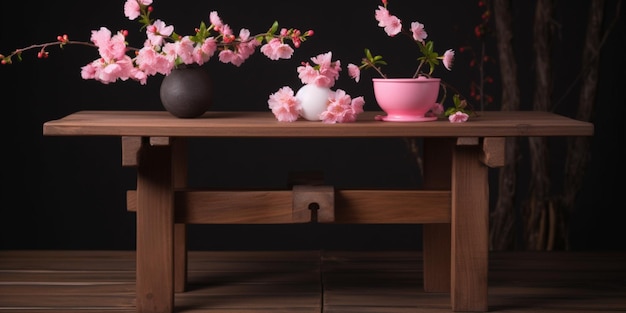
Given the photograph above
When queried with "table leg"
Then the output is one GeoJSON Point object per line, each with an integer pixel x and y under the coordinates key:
{"type": "Point", "coordinates": [436, 237]}
{"type": "Point", "coordinates": [155, 230]}
{"type": "Point", "coordinates": [180, 257]}
{"type": "Point", "coordinates": [470, 223]}
{"type": "Point", "coordinates": [179, 172]}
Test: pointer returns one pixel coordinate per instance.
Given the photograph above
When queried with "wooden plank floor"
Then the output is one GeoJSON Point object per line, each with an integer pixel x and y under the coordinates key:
{"type": "Point", "coordinates": [309, 281]}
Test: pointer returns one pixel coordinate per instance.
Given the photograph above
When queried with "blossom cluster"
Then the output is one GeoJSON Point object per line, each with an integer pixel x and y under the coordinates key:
{"type": "Point", "coordinates": [392, 25]}
{"type": "Point", "coordinates": [164, 49]}
{"type": "Point", "coordinates": [340, 106]}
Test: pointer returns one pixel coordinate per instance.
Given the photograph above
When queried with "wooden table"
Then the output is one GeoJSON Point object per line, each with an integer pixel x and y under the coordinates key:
{"type": "Point", "coordinates": [453, 205]}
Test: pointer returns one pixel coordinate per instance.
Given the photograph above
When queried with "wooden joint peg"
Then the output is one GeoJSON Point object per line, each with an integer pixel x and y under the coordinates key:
{"type": "Point", "coordinates": [493, 151]}
{"type": "Point", "coordinates": [467, 141]}
{"type": "Point", "coordinates": [313, 204]}
{"type": "Point", "coordinates": [160, 141]}
{"type": "Point", "coordinates": [130, 150]}
{"type": "Point", "coordinates": [131, 146]}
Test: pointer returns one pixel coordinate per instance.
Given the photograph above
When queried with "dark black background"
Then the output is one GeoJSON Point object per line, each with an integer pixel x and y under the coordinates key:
{"type": "Point", "coordinates": [69, 192]}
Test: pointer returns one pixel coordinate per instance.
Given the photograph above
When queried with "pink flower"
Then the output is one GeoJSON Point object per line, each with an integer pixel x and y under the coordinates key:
{"type": "Point", "coordinates": [108, 72]}
{"type": "Point", "coordinates": [151, 62]}
{"type": "Point", "coordinates": [227, 32]}
{"type": "Point", "coordinates": [244, 50]}
{"type": "Point", "coordinates": [163, 49]}
{"type": "Point", "coordinates": [284, 105]}
{"type": "Point", "coordinates": [241, 52]}
{"type": "Point", "coordinates": [100, 37]}
{"type": "Point", "coordinates": [294, 36]}
{"type": "Point", "coordinates": [458, 117]}
{"type": "Point", "coordinates": [390, 23]}
{"type": "Point", "coordinates": [89, 71]}
{"type": "Point", "coordinates": [132, 9]}
{"type": "Point", "coordinates": [216, 21]}
{"type": "Point", "coordinates": [381, 15]}
{"type": "Point", "coordinates": [357, 105]}
{"type": "Point", "coordinates": [138, 75]}
{"type": "Point", "coordinates": [342, 109]}
{"type": "Point", "coordinates": [110, 48]}
{"type": "Point", "coordinates": [247, 48]}
{"type": "Point", "coordinates": [229, 56]}
{"type": "Point", "coordinates": [448, 59]}
{"type": "Point", "coordinates": [157, 31]}
{"type": "Point", "coordinates": [307, 73]}
{"type": "Point", "coordinates": [183, 49]}
{"type": "Point", "coordinates": [202, 53]}
{"type": "Point", "coordinates": [437, 109]}
{"type": "Point", "coordinates": [324, 60]}
{"type": "Point", "coordinates": [426, 64]}
{"type": "Point", "coordinates": [354, 72]}
{"type": "Point", "coordinates": [338, 106]}
{"type": "Point", "coordinates": [325, 72]}
{"type": "Point", "coordinates": [276, 49]}
{"type": "Point", "coordinates": [418, 31]}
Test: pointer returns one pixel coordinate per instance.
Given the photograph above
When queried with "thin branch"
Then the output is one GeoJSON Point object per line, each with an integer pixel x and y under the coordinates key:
{"type": "Point", "coordinates": [591, 61]}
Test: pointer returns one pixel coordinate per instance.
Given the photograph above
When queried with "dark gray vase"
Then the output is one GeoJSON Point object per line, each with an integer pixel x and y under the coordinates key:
{"type": "Point", "coordinates": [187, 92]}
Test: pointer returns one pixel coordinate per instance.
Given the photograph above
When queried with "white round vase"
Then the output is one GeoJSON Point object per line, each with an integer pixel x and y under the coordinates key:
{"type": "Point", "coordinates": [314, 100]}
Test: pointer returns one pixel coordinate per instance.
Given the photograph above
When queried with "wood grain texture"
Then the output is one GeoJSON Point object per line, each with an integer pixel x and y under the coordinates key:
{"type": "Point", "coordinates": [179, 181]}
{"type": "Point", "coordinates": [462, 205]}
{"type": "Point", "coordinates": [493, 151]}
{"type": "Point", "coordinates": [310, 281]}
{"type": "Point", "coordinates": [130, 150]}
{"type": "Point", "coordinates": [392, 206]}
{"type": "Point", "coordinates": [469, 231]}
{"type": "Point", "coordinates": [321, 197]}
{"type": "Point", "coordinates": [155, 230]}
{"type": "Point", "coordinates": [264, 124]}
{"type": "Point", "coordinates": [275, 206]}
{"type": "Point", "coordinates": [436, 237]}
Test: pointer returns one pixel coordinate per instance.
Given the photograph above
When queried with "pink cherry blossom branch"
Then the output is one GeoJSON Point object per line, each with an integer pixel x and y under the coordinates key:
{"type": "Point", "coordinates": [42, 52]}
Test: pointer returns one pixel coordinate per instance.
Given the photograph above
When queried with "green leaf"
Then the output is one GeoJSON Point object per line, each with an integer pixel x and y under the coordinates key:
{"type": "Point", "coordinates": [450, 111]}
{"type": "Point", "coordinates": [274, 28]}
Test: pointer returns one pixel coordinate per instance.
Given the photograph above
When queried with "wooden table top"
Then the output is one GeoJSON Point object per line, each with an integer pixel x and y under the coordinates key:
{"type": "Point", "coordinates": [264, 124]}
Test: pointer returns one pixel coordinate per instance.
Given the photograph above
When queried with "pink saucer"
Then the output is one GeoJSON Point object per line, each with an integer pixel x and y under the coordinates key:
{"type": "Point", "coordinates": [405, 118]}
